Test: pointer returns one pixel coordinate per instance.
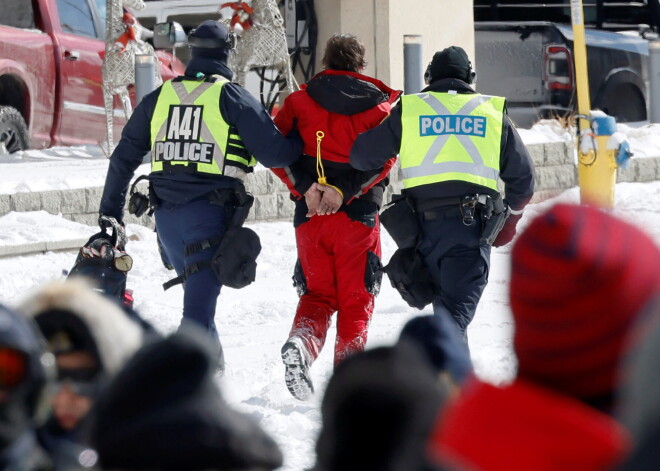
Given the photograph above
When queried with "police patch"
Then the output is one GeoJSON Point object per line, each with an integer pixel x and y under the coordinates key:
{"type": "Point", "coordinates": [438, 125]}
{"type": "Point", "coordinates": [202, 152]}
{"type": "Point", "coordinates": [184, 123]}
{"type": "Point", "coordinates": [183, 129]}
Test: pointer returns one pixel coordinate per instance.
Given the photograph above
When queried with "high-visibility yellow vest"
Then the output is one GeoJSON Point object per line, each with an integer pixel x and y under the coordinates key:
{"type": "Point", "coordinates": [189, 134]}
{"type": "Point", "coordinates": [448, 137]}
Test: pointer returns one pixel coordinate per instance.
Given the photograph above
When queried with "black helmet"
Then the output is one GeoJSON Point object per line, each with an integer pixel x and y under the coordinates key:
{"type": "Point", "coordinates": [24, 377]}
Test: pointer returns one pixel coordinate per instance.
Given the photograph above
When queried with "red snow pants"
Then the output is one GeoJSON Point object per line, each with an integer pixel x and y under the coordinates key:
{"type": "Point", "coordinates": [339, 260]}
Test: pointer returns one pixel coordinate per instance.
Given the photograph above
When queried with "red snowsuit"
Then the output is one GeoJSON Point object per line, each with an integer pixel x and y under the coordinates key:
{"type": "Point", "coordinates": [338, 254]}
{"type": "Point", "coordinates": [525, 427]}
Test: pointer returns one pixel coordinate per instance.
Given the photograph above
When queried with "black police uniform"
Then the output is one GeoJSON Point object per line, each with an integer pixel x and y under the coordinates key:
{"type": "Point", "coordinates": [457, 261]}
{"type": "Point", "coordinates": [185, 215]}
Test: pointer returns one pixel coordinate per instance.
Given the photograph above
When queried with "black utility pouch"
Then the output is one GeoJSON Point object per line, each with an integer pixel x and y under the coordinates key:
{"type": "Point", "coordinates": [410, 277]}
{"type": "Point", "coordinates": [373, 274]}
{"type": "Point", "coordinates": [400, 221]}
{"type": "Point", "coordinates": [235, 261]}
{"type": "Point", "coordinates": [494, 216]}
{"type": "Point", "coordinates": [299, 280]}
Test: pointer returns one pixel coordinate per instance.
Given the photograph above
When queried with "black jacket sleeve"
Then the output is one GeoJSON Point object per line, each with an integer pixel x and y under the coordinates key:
{"type": "Point", "coordinates": [257, 130]}
{"type": "Point", "coordinates": [516, 168]}
{"type": "Point", "coordinates": [376, 146]}
{"type": "Point", "coordinates": [353, 182]}
{"type": "Point", "coordinates": [135, 143]}
{"type": "Point", "coordinates": [300, 177]}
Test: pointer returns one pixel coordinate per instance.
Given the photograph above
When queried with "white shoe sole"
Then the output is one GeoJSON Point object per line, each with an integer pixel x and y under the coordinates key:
{"type": "Point", "coordinates": [296, 375]}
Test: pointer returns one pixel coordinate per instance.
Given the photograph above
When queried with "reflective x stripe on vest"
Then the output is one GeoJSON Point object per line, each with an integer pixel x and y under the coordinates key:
{"type": "Point", "coordinates": [189, 134]}
{"type": "Point", "coordinates": [448, 137]}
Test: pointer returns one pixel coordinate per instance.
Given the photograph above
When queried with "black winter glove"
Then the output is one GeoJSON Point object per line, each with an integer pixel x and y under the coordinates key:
{"type": "Point", "coordinates": [117, 228]}
{"type": "Point", "coordinates": [508, 232]}
{"type": "Point", "coordinates": [108, 222]}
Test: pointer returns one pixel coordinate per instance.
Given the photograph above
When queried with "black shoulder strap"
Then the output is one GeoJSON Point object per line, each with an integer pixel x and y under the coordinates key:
{"type": "Point", "coordinates": [191, 249]}
{"type": "Point", "coordinates": [189, 270]}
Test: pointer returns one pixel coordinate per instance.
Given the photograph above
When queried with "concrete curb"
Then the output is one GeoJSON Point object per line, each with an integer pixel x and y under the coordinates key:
{"type": "Point", "coordinates": [41, 247]}
{"type": "Point", "coordinates": [554, 162]}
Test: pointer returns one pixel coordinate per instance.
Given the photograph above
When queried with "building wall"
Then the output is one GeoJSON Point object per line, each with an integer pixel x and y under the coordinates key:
{"type": "Point", "coordinates": [382, 24]}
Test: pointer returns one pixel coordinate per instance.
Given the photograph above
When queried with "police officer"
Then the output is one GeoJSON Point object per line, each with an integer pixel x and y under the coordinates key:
{"type": "Point", "coordinates": [204, 134]}
{"type": "Point", "coordinates": [453, 145]}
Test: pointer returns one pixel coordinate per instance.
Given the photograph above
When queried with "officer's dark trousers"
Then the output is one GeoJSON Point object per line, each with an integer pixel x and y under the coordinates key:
{"type": "Point", "coordinates": [178, 226]}
{"type": "Point", "coordinates": [458, 264]}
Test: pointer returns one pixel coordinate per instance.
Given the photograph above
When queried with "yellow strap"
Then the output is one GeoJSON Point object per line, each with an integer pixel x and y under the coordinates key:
{"type": "Point", "coordinates": [320, 171]}
{"type": "Point", "coordinates": [336, 188]}
{"type": "Point", "coordinates": [319, 164]}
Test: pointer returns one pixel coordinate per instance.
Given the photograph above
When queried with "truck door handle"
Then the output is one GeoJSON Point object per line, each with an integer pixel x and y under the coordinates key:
{"type": "Point", "coordinates": [71, 55]}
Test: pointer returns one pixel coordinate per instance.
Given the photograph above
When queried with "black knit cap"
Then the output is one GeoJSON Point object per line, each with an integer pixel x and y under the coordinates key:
{"type": "Point", "coordinates": [452, 62]}
{"type": "Point", "coordinates": [207, 33]}
{"type": "Point", "coordinates": [165, 411]}
{"type": "Point", "coordinates": [391, 396]}
{"type": "Point", "coordinates": [442, 344]}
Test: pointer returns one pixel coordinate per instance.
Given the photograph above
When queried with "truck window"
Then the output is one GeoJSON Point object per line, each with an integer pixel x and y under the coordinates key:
{"type": "Point", "coordinates": [17, 13]}
{"type": "Point", "coordinates": [76, 18]}
{"type": "Point", "coordinates": [101, 9]}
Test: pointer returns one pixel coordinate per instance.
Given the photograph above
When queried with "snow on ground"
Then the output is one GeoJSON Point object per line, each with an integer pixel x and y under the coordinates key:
{"type": "Point", "coordinates": [548, 130]}
{"type": "Point", "coordinates": [254, 322]}
{"type": "Point", "coordinates": [644, 137]}
{"type": "Point", "coordinates": [58, 168]}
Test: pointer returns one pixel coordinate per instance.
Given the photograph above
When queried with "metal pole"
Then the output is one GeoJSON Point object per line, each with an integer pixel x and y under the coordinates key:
{"type": "Point", "coordinates": [145, 76]}
{"type": "Point", "coordinates": [654, 79]}
{"type": "Point", "coordinates": [580, 54]}
{"type": "Point", "coordinates": [596, 160]}
{"type": "Point", "coordinates": [413, 73]}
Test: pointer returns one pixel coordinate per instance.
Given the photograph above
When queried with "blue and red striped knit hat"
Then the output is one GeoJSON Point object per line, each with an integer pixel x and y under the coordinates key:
{"type": "Point", "coordinates": [579, 278]}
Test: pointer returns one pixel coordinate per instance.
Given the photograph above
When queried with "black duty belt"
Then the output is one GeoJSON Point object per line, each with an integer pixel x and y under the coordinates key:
{"type": "Point", "coordinates": [467, 207]}
{"type": "Point", "coordinates": [434, 204]}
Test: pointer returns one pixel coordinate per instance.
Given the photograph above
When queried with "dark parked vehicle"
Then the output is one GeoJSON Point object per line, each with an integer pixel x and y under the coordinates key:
{"type": "Point", "coordinates": [524, 51]}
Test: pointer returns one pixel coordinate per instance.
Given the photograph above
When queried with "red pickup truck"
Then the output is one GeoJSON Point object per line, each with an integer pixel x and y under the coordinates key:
{"type": "Point", "coordinates": [50, 74]}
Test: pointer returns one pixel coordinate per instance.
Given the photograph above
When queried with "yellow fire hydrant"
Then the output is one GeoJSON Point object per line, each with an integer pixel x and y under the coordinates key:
{"type": "Point", "coordinates": [597, 161]}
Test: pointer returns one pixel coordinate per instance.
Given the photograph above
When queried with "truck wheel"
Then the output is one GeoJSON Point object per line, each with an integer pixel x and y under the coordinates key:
{"type": "Point", "coordinates": [625, 103]}
{"type": "Point", "coordinates": [13, 130]}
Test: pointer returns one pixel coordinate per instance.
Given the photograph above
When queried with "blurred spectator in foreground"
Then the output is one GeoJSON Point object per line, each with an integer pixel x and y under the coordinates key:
{"type": "Point", "coordinates": [378, 410]}
{"type": "Point", "coordinates": [579, 279]}
{"type": "Point", "coordinates": [91, 338]}
{"type": "Point", "coordinates": [443, 345]}
{"type": "Point", "coordinates": [25, 370]}
{"type": "Point", "coordinates": [164, 411]}
{"type": "Point", "coordinates": [640, 398]}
